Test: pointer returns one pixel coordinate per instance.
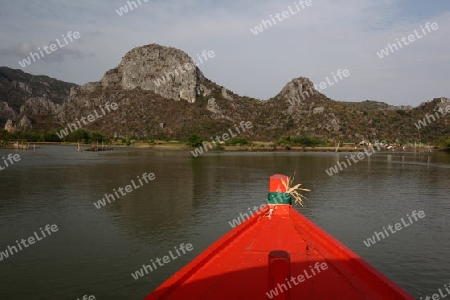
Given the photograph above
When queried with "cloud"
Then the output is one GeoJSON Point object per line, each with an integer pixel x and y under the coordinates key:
{"type": "Point", "coordinates": [327, 36]}
{"type": "Point", "coordinates": [22, 50]}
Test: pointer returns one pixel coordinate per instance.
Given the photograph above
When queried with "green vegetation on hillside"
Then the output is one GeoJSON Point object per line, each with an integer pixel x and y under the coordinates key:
{"type": "Point", "coordinates": [237, 141]}
{"type": "Point", "coordinates": [302, 141]}
{"type": "Point", "coordinates": [81, 135]}
{"type": "Point", "coordinates": [195, 141]}
{"type": "Point", "coordinates": [444, 143]}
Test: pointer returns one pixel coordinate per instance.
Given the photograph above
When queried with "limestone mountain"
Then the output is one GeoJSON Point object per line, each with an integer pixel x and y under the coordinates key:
{"type": "Point", "coordinates": [166, 71]}
{"type": "Point", "coordinates": [162, 94]}
{"type": "Point", "coordinates": [28, 99]}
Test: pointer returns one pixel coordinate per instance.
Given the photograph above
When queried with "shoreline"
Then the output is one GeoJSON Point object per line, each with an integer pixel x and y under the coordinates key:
{"type": "Point", "coordinates": [262, 147]}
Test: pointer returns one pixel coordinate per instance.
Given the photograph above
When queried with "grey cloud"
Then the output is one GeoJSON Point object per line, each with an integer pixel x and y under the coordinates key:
{"type": "Point", "coordinates": [22, 51]}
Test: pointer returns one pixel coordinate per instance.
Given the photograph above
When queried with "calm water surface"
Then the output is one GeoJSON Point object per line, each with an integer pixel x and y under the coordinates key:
{"type": "Point", "coordinates": [192, 200]}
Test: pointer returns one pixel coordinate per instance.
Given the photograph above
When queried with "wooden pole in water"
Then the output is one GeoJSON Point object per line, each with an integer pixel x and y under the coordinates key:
{"type": "Point", "coordinates": [337, 146]}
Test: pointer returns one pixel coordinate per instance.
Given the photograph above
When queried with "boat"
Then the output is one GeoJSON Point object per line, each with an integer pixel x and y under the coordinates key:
{"type": "Point", "coordinates": [278, 253]}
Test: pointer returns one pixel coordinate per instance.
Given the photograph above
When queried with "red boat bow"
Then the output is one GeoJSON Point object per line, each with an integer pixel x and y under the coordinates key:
{"type": "Point", "coordinates": [278, 255]}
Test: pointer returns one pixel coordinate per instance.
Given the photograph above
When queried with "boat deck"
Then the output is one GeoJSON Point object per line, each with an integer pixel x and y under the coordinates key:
{"type": "Point", "coordinates": [237, 265]}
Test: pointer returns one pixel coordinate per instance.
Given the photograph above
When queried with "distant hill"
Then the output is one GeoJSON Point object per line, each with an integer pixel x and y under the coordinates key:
{"type": "Point", "coordinates": [36, 97]}
{"type": "Point", "coordinates": [157, 102]}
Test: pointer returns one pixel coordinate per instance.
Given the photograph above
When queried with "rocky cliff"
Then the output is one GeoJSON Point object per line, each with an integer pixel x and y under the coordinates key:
{"type": "Point", "coordinates": [166, 71]}
{"type": "Point", "coordinates": [29, 100]}
{"type": "Point", "coordinates": [161, 93]}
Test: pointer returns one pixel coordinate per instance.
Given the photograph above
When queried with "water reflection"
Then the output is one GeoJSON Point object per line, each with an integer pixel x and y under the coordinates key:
{"type": "Point", "coordinates": [193, 199]}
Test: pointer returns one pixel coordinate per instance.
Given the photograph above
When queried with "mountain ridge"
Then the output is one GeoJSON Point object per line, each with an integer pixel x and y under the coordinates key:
{"type": "Point", "coordinates": [187, 103]}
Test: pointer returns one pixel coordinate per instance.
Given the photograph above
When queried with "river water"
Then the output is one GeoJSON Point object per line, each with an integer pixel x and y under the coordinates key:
{"type": "Point", "coordinates": [192, 200]}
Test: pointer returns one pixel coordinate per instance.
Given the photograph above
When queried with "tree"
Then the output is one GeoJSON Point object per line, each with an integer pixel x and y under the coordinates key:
{"type": "Point", "coordinates": [306, 141]}
{"type": "Point", "coordinates": [237, 141]}
{"type": "Point", "coordinates": [195, 141]}
{"type": "Point", "coordinates": [95, 136]}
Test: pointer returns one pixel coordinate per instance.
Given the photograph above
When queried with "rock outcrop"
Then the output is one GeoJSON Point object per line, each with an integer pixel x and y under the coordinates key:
{"type": "Point", "coordinates": [9, 126]}
{"type": "Point", "coordinates": [166, 71]}
{"type": "Point", "coordinates": [25, 124]}
{"type": "Point", "coordinates": [37, 97]}
{"type": "Point", "coordinates": [6, 112]}
{"type": "Point", "coordinates": [298, 89]}
{"type": "Point", "coordinates": [39, 106]}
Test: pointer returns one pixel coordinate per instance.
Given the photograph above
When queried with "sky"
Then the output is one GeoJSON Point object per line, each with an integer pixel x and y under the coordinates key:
{"type": "Point", "coordinates": [314, 41]}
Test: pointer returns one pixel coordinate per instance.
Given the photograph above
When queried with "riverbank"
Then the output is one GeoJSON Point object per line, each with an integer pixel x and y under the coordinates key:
{"type": "Point", "coordinates": [265, 147]}
{"type": "Point", "coordinates": [253, 147]}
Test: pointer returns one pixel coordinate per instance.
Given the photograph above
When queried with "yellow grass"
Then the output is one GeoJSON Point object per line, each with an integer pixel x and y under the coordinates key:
{"type": "Point", "coordinates": [294, 190]}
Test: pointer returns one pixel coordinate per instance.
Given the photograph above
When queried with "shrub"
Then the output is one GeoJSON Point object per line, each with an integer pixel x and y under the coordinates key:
{"type": "Point", "coordinates": [305, 141]}
{"type": "Point", "coordinates": [195, 141]}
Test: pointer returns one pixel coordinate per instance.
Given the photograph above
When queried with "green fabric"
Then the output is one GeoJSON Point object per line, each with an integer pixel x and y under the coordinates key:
{"type": "Point", "coordinates": [279, 198]}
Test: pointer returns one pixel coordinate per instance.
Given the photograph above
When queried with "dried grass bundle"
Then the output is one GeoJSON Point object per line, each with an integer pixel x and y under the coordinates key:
{"type": "Point", "coordinates": [294, 190]}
